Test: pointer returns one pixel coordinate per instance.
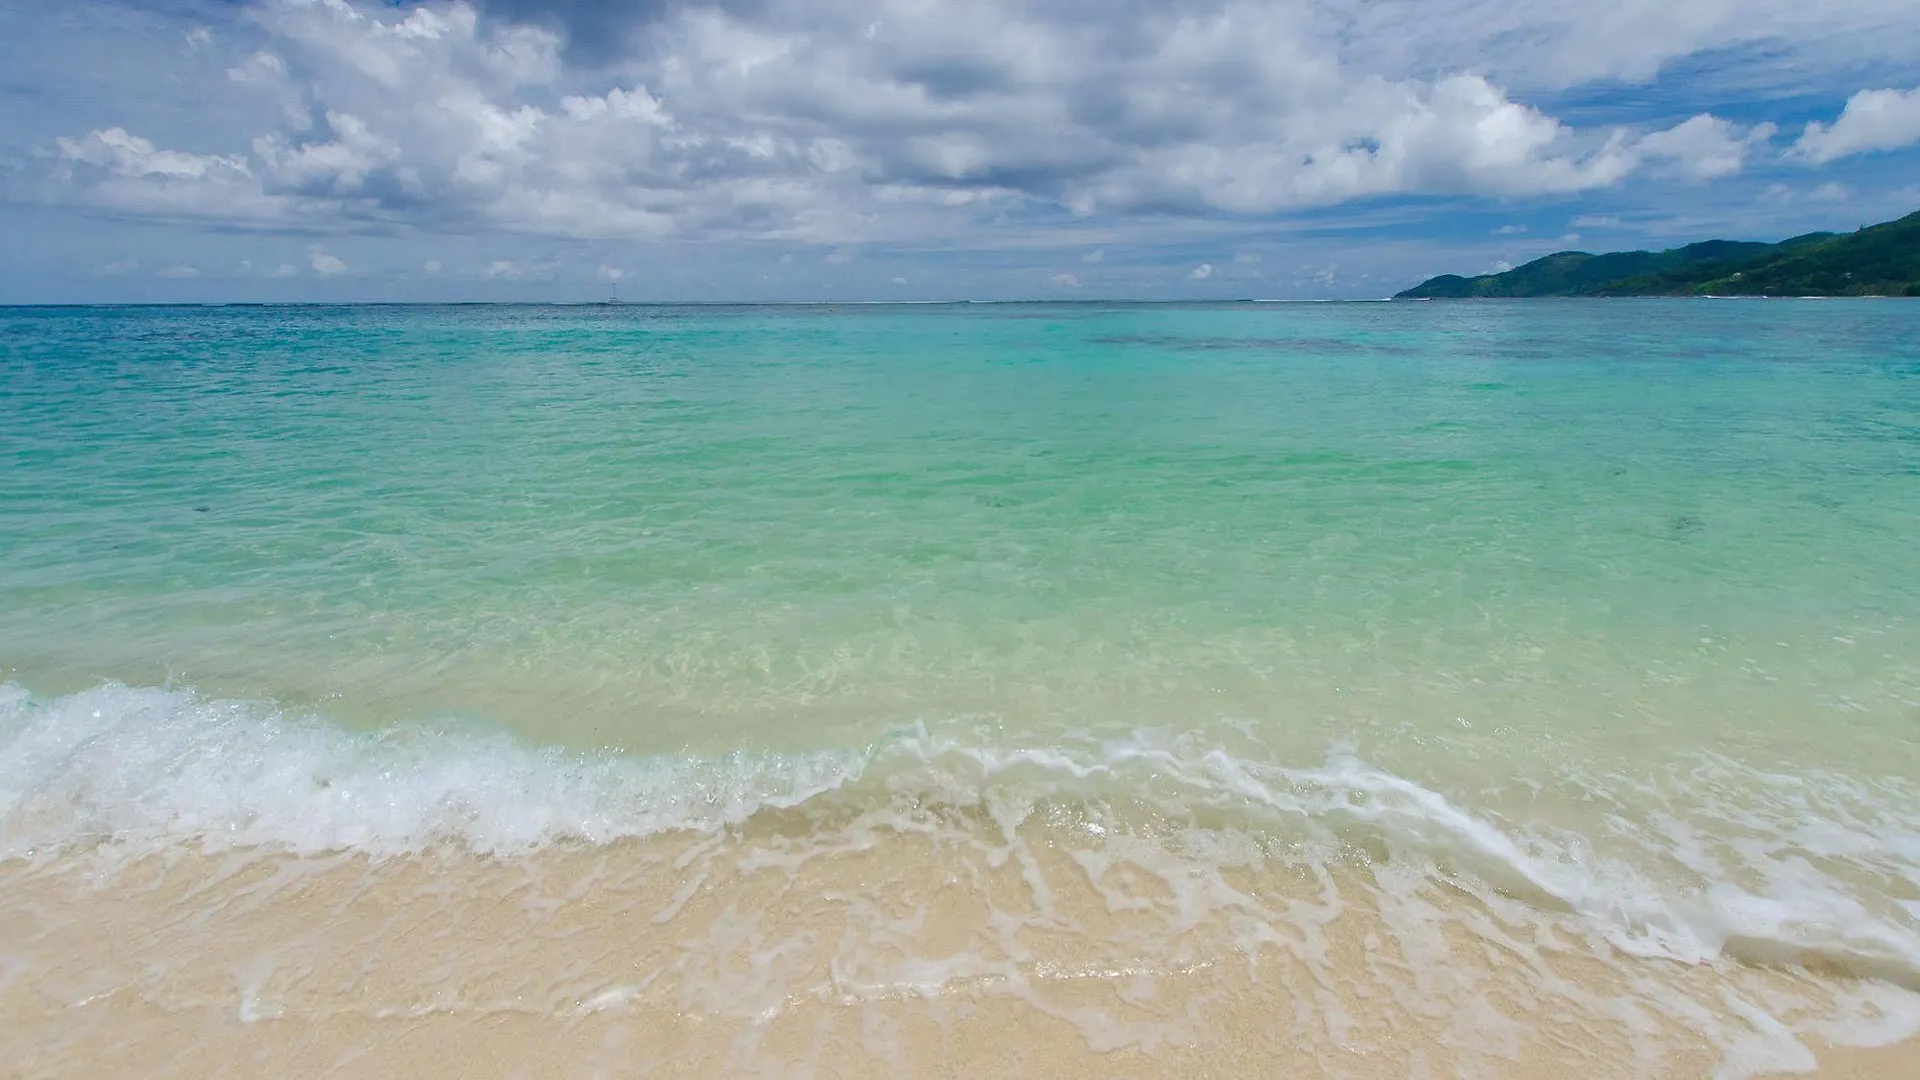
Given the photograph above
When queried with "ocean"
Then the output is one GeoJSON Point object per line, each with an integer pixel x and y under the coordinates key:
{"type": "Point", "coordinates": [1413, 689]}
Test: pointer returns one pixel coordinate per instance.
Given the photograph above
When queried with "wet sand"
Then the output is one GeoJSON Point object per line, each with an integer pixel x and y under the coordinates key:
{"type": "Point", "coordinates": [709, 956]}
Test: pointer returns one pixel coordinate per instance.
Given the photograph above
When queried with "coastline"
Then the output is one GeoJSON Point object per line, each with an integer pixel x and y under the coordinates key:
{"type": "Point", "coordinates": [989, 1042]}
{"type": "Point", "coordinates": [1518, 691]}
{"type": "Point", "coordinates": [882, 953]}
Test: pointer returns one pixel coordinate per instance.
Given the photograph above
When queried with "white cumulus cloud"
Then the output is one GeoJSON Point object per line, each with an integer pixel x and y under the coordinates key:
{"type": "Point", "coordinates": [786, 120]}
{"type": "Point", "coordinates": [852, 122]}
{"type": "Point", "coordinates": [1705, 147]}
{"type": "Point", "coordinates": [1872, 120]}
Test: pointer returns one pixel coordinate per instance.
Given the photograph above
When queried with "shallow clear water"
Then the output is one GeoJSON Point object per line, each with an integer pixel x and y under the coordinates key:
{"type": "Point", "coordinates": [1610, 606]}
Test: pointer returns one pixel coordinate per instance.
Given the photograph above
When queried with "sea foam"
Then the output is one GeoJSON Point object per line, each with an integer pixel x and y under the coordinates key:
{"type": "Point", "coordinates": [138, 767]}
{"type": "Point", "coordinates": [1701, 860]}
{"type": "Point", "coordinates": [1737, 873]}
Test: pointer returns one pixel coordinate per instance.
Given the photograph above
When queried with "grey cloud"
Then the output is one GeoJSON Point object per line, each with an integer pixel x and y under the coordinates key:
{"type": "Point", "coordinates": [844, 121]}
{"type": "Point", "coordinates": [1564, 44]}
{"type": "Point", "coordinates": [601, 32]}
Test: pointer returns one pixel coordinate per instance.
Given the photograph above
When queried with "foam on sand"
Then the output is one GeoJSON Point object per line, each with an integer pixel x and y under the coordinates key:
{"type": "Point", "coordinates": [1148, 892]}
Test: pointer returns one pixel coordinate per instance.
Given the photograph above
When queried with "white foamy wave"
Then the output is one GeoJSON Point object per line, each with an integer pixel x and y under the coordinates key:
{"type": "Point", "coordinates": [135, 767]}
{"type": "Point", "coordinates": [1709, 860]}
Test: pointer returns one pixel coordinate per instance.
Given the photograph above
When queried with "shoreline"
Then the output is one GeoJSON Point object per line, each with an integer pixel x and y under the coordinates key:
{"type": "Point", "coordinates": [721, 954]}
{"type": "Point", "coordinates": [987, 1044]}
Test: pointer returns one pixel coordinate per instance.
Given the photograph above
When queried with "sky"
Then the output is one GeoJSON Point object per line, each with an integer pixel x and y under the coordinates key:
{"type": "Point", "coordinates": [842, 150]}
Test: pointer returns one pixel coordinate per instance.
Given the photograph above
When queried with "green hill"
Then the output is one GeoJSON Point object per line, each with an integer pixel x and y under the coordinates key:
{"type": "Point", "coordinates": [1879, 260]}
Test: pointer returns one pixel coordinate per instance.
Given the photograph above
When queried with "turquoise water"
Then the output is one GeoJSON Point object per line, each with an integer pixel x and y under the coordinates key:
{"type": "Point", "coordinates": [711, 528]}
{"type": "Point", "coordinates": [1606, 610]}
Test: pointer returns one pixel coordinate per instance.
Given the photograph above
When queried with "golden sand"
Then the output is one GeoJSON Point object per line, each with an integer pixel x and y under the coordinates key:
{"type": "Point", "coordinates": [709, 956]}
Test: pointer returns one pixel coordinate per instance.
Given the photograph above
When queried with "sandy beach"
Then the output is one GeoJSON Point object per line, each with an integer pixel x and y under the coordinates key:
{"type": "Point", "coordinates": [891, 955]}
{"type": "Point", "coordinates": [1371, 690]}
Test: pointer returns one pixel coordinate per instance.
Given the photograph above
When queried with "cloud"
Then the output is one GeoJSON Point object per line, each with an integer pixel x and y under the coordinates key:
{"type": "Point", "coordinates": [262, 68]}
{"type": "Point", "coordinates": [1829, 192]}
{"type": "Point", "coordinates": [788, 121]}
{"type": "Point", "coordinates": [1459, 135]}
{"type": "Point", "coordinates": [116, 154]}
{"type": "Point", "coordinates": [1871, 120]}
{"type": "Point", "coordinates": [1705, 147]}
{"type": "Point", "coordinates": [1595, 221]}
{"type": "Point", "coordinates": [113, 168]}
{"type": "Point", "coordinates": [899, 281]}
{"type": "Point", "coordinates": [544, 269]}
{"type": "Point", "coordinates": [326, 265]}
{"type": "Point", "coordinates": [431, 266]}
{"type": "Point", "coordinates": [1562, 44]}
{"type": "Point", "coordinates": [609, 275]}
{"type": "Point", "coordinates": [1540, 44]}
{"type": "Point", "coordinates": [1202, 272]}
{"type": "Point", "coordinates": [1094, 257]}
{"type": "Point", "coordinates": [284, 270]}
{"type": "Point", "coordinates": [120, 266]}
{"type": "Point", "coordinates": [1509, 230]}
{"type": "Point", "coordinates": [827, 127]}
{"type": "Point", "coordinates": [1064, 281]}
{"type": "Point", "coordinates": [180, 273]}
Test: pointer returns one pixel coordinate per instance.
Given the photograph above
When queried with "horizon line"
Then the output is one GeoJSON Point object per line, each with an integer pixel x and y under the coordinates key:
{"type": "Point", "coordinates": [675, 303]}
